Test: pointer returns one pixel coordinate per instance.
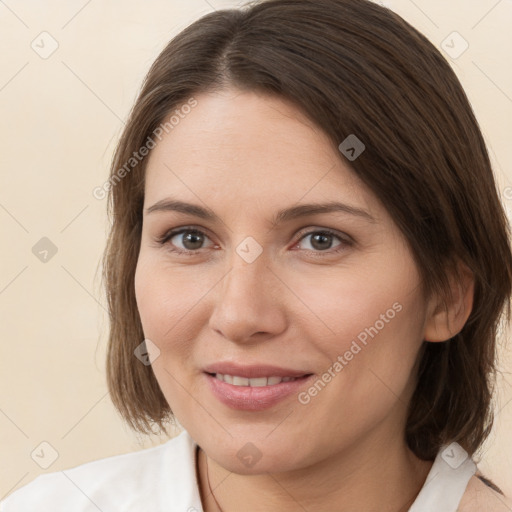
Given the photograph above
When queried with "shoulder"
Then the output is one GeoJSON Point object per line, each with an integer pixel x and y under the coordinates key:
{"type": "Point", "coordinates": [479, 497]}
{"type": "Point", "coordinates": [120, 482]}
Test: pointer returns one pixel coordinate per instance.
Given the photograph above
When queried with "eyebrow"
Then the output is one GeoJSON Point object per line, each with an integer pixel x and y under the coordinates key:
{"type": "Point", "coordinates": [284, 215]}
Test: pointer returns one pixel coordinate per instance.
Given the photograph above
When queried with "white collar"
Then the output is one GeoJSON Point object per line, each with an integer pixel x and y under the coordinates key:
{"type": "Point", "coordinates": [446, 481]}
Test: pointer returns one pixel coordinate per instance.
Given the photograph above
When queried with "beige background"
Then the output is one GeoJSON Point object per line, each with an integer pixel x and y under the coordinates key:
{"type": "Point", "coordinates": [61, 116]}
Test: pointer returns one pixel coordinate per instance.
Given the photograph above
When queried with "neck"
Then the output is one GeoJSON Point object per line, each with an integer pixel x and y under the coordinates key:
{"type": "Point", "coordinates": [374, 476]}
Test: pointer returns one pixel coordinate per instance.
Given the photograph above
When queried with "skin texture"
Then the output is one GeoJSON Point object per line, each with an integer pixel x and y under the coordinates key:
{"type": "Point", "coordinates": [479, 497]}
{"type": "Point", "coordinates": [298, 305]}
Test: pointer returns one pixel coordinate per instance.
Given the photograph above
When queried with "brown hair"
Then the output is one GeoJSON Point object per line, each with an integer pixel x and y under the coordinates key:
{"type": "Point", "coordinates": [353, 67]}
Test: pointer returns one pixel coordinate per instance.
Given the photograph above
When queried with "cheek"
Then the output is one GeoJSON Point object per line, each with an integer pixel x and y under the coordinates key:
{"type": "Point", "coordinates": [149, 295]}
{"type": "Point", "coordinates": [169, 301]}
{"type": "Point", "coordinates": [160, 302]}
{"type": "Point", "coordinates": [345, 305]}
{"type": "Point", "coordinates": [368, 359]}
{"type": "Point", "coordinates": [163, 307]}
{"type": "Point", "coordinates": [371, 319]}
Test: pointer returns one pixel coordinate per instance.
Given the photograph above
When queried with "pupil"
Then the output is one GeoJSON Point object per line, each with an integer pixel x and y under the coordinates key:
{"type": "Point", "coordinates": [321, 236]}
{"type": "Point", "coordinates": [190, 238]}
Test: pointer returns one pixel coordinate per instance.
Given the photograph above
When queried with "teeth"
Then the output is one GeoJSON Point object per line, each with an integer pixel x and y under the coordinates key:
{"type": "Point", "coordinates": [256, 382]}
{"type": "Point", "coordinates": [240, 381]}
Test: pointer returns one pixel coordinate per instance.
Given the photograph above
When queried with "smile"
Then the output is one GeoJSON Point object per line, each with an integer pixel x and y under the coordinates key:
{"type": "Point", "coordinates": [235, 380]}
{"type": "Point", "coordinates": [255, 393]}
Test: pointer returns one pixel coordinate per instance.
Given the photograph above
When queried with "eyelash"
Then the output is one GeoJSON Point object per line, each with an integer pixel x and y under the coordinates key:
{"type": "Point", "coordinates": [346, 241]}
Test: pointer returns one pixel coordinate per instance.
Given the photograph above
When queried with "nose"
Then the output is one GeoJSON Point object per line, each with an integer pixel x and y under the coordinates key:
{"type": "Point", "coordinates": [248, 302]}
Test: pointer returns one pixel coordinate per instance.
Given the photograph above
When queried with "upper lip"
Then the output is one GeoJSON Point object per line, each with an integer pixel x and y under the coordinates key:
{"type": "Point", "coordinates": [253, 371]}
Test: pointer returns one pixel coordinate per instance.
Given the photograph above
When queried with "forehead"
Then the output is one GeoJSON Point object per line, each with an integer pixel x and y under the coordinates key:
{"type": "Point", "coordinates": [246, 148]}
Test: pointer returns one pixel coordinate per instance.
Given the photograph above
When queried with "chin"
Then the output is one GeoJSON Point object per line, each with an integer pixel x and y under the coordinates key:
{"type": "Point", "coordinates": [264, 466]}
{"type": "Point", "coordinates": [261, 457]}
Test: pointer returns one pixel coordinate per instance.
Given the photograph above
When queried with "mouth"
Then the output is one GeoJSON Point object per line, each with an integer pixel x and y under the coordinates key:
{"type": "Point", "coordinates": [255, 382]}
{"type": "Point", "coordinates": [254, 393]}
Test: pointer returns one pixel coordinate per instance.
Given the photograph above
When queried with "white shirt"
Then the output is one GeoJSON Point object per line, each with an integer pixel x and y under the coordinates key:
{"type": "Point", "coordinates": [163, 479]}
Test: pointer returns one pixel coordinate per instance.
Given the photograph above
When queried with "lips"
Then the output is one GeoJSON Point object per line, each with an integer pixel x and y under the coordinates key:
{"type": "Point", "coordinates": [254, 387]}
{"type": "Point", "coordinates": [255, 398]}
{"type": "Point", "coordinates": [253, 371]}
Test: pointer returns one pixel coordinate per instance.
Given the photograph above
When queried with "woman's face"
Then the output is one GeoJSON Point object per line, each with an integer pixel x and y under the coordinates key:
{"type": "Point", "coordinates": [344, 307]}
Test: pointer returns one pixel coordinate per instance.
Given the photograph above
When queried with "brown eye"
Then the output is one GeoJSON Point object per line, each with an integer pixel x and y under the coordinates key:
{"type": "Point", "coordinates": [191, 240]}
{"type": "Point", "coordinates": [322, 241]}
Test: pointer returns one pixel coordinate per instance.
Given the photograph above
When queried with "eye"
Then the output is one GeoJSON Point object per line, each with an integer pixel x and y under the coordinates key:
{"type": "Point", "coordinates": [192, 241]}
{"type": "Point", "coordinates": [321, 241]}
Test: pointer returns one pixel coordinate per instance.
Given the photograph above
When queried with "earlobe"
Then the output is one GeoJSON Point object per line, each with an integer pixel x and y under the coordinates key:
{"type": "Point", "coordinates": [443, 323]}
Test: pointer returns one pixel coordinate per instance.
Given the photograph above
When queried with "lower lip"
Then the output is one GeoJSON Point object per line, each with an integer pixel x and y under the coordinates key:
{"type": "Point", "coordinates": [257, 398]}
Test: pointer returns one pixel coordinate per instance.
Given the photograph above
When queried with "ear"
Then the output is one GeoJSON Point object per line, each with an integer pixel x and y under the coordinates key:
{"type": "Point", "coordinates": [443, 323]}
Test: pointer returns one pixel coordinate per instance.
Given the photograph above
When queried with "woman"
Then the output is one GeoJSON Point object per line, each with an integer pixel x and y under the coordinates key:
{"type": "Point", "coordinates": [306, 270]}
